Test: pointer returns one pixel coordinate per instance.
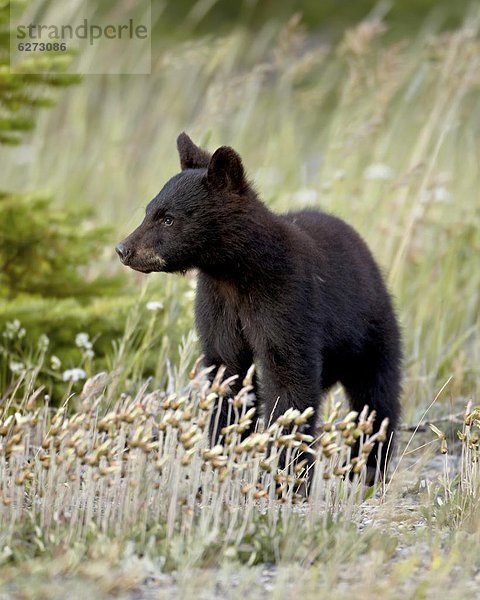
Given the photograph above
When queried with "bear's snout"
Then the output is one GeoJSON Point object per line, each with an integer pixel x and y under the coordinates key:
{"type": "Point", "coordinates": [138, 257]}
{"type": "Point", "coordinates": [123, 252]}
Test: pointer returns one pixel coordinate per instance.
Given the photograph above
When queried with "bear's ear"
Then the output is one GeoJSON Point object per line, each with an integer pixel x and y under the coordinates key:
{"type": "Point", "coordinates": [191, 156]}
{"type": "Point", "coordinates": [225, 170]}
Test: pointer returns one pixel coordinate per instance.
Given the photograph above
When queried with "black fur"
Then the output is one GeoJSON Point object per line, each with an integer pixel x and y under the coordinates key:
{"type": "Point", "coordinates": [298, 294]}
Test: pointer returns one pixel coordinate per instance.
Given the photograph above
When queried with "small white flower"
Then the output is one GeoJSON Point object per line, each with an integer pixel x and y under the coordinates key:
{"type": "Point", "coordinates": [89, 353]}
{"type": "Point", "coordinates": [14, 329]}
{"type": "Point", "coordinates": [82, 340]}
{"type": "Point", "coordinates": [154, 305]}
{"type": "Point", "coordinates": [441, 194]}
{"type": "Point", "coordinates": [74, 375]}
{"type": "Point", "coordinates": [378, 172]}
{"type": "Point", "coordinates": [55, 362]}
{"type": "Point", "coordinates": [16, 367]}
{"type": "Point", "coordinates": [339, 175]}
{"type": "Point", "coordinates": [43, 342]}
{"type": "Point", "coordinates": [438, 194]}
{"type": "Point", "coordinates": [418, 211]}
{"type": "Point", "coordinates": [305, 196]}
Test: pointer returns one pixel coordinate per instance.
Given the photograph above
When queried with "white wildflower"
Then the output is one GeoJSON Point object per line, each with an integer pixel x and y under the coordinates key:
{"type": "Point", "coordinates": [339, 175]}
{"type": "Point", "coordinates": [16, 367]}
{"type": "Point", "coordinates": [441, 194]}
{"type": "Point", "coordinates": [438, 194]}
{"type": "Point", "coordinates": [305, 196]}
{"type": "Point", "coordinates": [43, 342]}
{"type": "Point", "coordinates": [378, 172]}
{"type": "Point", "coordinates": [55, 362]}
{"type": "Point", "coordinates": [14, 329]}
{"type": "Point", "coordinates": [418, 211]}
{"type": "Point", "coordinates": [82, 340]}
{"type": "Point", "coordinates": [74, 375]}
{"type": "Point", "coordinates": [14, 325]}
{"type": "Point", "coordinates": [154, 305]}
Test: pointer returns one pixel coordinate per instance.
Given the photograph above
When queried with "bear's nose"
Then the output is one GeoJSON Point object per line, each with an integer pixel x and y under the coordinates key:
{"type": "Point", "coordinates": [122, 252]}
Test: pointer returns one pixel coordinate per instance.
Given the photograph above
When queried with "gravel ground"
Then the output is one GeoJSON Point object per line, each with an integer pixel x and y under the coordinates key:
{"type": "Point", "coordinates": [407, 517]}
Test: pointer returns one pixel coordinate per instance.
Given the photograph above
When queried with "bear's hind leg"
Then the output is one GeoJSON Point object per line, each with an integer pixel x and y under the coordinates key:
{"type": "Point", "coordinates": [376, 384]}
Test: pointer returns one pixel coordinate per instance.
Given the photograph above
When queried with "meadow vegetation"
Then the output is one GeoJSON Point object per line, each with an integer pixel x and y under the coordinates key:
{"type": "Point", "coordinates": [106, 478]}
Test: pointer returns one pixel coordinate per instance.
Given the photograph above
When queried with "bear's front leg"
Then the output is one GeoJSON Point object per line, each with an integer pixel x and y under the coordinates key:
{"type": "Point", "coordinates": [223, 343]}
{"type": "Point", "coordinates": [223, 413]}
{"type": "Point", "coordinates": [288, 379]}
{"type": "Point", "coordinates": [281, 389]}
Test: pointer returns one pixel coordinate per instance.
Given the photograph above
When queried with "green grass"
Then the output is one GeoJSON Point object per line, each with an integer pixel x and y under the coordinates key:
{"type": "Point", "coordinates": [385, 136]}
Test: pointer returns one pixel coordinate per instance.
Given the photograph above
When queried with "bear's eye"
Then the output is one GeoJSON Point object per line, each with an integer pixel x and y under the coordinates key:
{"type": "Point", "coordinates": [168, 221]}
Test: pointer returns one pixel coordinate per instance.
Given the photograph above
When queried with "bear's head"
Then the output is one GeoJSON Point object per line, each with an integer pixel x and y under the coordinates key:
{"type": "Point", "coordinates": [189, 223]}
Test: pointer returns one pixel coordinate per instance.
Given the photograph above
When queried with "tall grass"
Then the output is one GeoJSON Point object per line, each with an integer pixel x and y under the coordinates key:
{"type": "Point", "coordinates": [140, 468]}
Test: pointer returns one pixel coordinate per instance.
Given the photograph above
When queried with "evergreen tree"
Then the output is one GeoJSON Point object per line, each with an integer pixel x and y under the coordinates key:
{"type": "Point", "coordinates": [42, 249]}
{"type": "Point", "coordinates": [45, 250]}
{"type": "Point", "coordinates": [21, 93]}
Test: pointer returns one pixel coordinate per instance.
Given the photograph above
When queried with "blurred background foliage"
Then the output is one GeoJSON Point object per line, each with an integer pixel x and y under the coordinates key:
{"type": "Point", "coordinates": [328, 18]}
{"type": "Point", "coordinates": [45, 249]}
{"type": "Point", "coordinates": [366, 109]}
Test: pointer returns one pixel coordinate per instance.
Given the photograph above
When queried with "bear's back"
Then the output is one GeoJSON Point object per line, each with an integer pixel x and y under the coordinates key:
{"type": "Point", "coordinates": [338, 243]}
{"type": "Point", "coordinates": [342, 259]}
{"type": "Point", "coordinates": [325, 229]}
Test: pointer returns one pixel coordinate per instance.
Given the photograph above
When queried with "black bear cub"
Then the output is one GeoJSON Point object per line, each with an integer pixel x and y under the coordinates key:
{"type": "Point", "coordinates": [299, 294]}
